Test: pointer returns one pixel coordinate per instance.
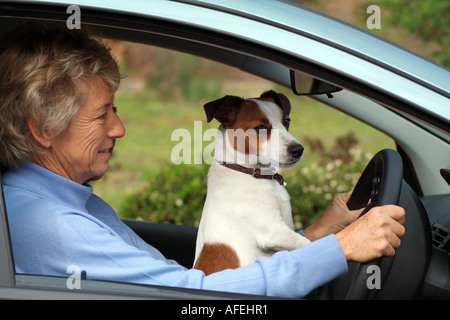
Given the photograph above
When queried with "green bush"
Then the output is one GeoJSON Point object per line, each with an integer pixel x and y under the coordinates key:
{"type": "Point", "coordinates": [177, 192]}
{"type": "Point", "coordinates": [312, 188]}
{"type": "Point", "coordinates": [337, 170]}
{"type": "Point", "coordinates": [174, 195]}
{"type": "Point", "coordinates": [429, 19]}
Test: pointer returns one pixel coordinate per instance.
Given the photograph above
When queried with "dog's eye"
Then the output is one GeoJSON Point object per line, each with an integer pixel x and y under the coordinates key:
{"type": "Point", "coordinates": [260, 127]}
{"type": "Point", "coordinates": [287, 122]}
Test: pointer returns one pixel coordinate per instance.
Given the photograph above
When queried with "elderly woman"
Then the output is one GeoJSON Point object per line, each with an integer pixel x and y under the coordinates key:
{"type": "Point", "coordinates": [58, 126]}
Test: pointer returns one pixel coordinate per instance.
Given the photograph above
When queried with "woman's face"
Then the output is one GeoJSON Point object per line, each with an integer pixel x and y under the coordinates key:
{"type": "Point", "coordinates": [82, 152]}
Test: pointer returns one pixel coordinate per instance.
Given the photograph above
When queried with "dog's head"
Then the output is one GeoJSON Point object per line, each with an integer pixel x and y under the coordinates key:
{"type": "Point", "coordinates": [256, 129]}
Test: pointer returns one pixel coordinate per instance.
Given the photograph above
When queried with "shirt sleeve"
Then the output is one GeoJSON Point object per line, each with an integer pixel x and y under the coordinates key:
{"type": "Point", "coordinates": [290, 274]}
{"type": "Point", "coordinates": [105, 255]}
{"type": "Point", "coordinates": [285, 274]}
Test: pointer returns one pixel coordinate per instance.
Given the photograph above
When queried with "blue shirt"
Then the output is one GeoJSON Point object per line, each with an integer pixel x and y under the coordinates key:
{"type": "Point", "coordinates": [55, 222]}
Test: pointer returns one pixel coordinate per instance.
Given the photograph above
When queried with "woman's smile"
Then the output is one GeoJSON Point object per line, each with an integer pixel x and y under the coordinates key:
{"type": "Point", "coordinates": [85, 149]}
{"type": "Point", "coordinates": [109, 150]}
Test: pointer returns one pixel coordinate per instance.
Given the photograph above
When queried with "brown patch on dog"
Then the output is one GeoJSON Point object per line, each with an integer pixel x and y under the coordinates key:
{"type": "Point", "coordinates": [281, 101]}
{"type": "Point", "coordinates": [240, 115]}
{"type": "Point", "coordinates": [216, 257]}
{"type": "Point", "coordinates": [248, 117]}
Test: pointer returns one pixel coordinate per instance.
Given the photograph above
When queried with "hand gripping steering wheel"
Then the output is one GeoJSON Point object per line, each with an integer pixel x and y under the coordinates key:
{"type": "Point", "coordinates": [382, 182]}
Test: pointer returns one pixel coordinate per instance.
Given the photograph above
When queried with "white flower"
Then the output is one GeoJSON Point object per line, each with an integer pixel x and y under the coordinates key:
{"type": "Point", "coordinates": [338, 162]}
{"type": "Point", "coordinates": [154, 195]}
{"type": "Point", "coordinates": [329, 166]}
{"type": "Point", "coordinates": [179, 202]}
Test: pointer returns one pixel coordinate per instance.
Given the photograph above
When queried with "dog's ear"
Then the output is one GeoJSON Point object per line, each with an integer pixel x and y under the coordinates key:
{"type": "Point", "coordinates": [222, 109]}
{"type": "Point", "coordinates": [280, 99]}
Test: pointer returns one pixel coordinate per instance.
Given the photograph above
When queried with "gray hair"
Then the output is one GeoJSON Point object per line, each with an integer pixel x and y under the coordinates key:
{"type": "Point", "coordinates": [44, 69]}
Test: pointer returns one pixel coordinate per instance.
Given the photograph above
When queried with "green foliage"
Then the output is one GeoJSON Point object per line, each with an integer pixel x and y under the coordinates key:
{"type": "Point", "coordinates": [176, 193]}
{"type": "Point", "coordinates": [312, 187]}
{"type": "Point", "coordinates": [430, 19]}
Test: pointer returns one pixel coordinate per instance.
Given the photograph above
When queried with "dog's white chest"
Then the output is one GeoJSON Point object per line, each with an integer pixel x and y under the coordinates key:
{"type": "Point", "coordinates": [250, 215]}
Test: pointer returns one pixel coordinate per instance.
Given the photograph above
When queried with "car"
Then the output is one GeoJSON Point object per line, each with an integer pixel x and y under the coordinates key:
{"type": "Point", "coordinates": [389, 88]}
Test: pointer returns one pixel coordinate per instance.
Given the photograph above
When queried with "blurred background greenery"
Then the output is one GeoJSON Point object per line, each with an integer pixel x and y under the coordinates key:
{"type": "Point", "coordinates": [165, 90]}
{"type": "Point", "coordinates": [422, 26]}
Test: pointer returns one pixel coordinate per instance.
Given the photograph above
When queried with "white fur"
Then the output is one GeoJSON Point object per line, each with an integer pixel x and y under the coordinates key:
{"type": "Point", "coordinates": [253, 216]}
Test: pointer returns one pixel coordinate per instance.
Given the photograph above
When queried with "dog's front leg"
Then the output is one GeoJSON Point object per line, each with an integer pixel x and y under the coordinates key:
{"type": "Point", "coordinates": [282, 238]}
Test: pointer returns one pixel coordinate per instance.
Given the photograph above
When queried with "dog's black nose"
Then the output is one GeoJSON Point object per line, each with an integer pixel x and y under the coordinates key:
{"type": "Point", "coordinates": [296, 150]}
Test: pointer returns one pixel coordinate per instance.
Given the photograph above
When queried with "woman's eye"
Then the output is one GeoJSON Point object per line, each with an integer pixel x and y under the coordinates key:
{"type": "Point", "coordinates": [105, 114]}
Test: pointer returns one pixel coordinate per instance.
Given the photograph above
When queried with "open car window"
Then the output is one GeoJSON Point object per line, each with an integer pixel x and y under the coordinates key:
{"type": "Point", "coordinates": [168, 138]}
{"type": "Point", "coordinates": [173, 66]}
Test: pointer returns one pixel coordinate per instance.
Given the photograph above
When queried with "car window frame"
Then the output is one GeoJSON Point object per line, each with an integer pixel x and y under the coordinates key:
{"type": "Point", "coordinates": [166, 29]}
{"type": "Point", "coordinates": [7, 274]}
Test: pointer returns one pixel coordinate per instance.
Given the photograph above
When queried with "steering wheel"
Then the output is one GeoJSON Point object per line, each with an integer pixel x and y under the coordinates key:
{"type": "Point", "coordinates": [400, 276]}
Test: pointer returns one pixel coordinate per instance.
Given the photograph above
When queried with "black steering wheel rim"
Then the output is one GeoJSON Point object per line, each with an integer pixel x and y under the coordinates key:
{"type": "Point", "coordinates": [402, 275]}
{"type": "Point", "coordinates": [381, 183]}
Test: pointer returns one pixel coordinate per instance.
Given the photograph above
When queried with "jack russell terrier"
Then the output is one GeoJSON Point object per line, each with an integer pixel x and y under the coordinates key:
{"type": "Point", "coordinates": [247, 211]}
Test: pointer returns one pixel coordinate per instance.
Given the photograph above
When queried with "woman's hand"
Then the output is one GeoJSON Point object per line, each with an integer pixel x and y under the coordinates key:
{"type": "Point", "coordinates": [335, 218]}
{"type": "Point", "coordinates": [375, 234]}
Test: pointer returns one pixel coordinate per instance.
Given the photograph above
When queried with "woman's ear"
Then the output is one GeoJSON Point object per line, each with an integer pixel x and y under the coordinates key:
{"type": "Point", "coordinates": [43, 137]}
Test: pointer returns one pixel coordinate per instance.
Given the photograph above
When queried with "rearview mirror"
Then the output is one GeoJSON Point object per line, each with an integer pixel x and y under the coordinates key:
{"type": "Point", "coordinates": [304, 84]}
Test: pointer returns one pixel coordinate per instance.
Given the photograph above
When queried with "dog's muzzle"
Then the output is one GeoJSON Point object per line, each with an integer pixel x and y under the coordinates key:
{"type": "Point", "coordinates": [295, 150]}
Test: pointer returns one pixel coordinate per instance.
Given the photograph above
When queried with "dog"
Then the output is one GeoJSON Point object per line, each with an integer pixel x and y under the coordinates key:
{"type": "Point", "coordinates": [247, 211]}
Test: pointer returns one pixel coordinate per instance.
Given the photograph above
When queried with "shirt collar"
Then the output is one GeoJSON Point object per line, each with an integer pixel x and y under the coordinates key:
{"type": "Point", "coordinates": [48, 184]}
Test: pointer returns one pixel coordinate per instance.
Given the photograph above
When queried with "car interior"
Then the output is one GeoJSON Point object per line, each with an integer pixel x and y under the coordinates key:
{"type": "Point", "coordinates": [421, 266]}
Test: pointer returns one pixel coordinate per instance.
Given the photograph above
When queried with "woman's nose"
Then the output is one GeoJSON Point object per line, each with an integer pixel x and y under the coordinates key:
{"type": "Point", "coordinates": [117, 130]}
